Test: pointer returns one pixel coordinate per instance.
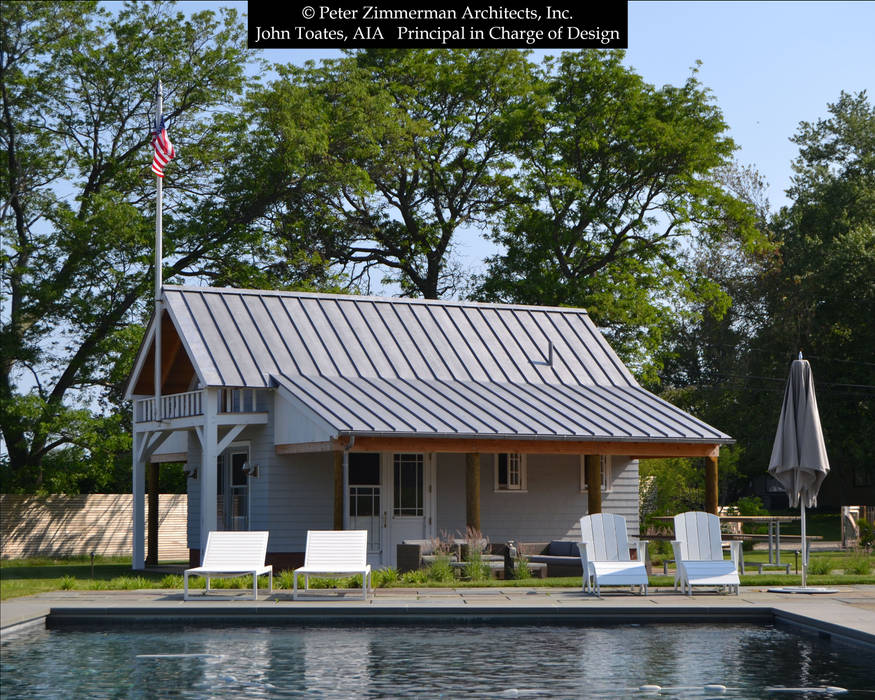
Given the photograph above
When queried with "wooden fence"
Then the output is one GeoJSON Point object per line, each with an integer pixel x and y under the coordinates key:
{"type": "Point", "coordinates": [53, 526]}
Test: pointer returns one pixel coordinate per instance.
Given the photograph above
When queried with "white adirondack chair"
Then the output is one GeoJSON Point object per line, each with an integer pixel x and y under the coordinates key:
{"type": "Point", "coordinates": [604, 554]}
{"type": "Point", "coordinates": [698, 553]}
{"type": "Point", "coordinates": [229, 554]}
{"type": "Point", "coordinates": [335, 553]}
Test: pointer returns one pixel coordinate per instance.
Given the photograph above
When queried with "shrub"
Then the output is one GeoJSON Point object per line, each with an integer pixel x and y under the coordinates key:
{"type": "Point", "coordinates": [860, 565]}
{"type": "Point", "coordinates": [440, 570]}
{"type": "Point", "coordinates": [172, 581]}
{"type": "Point", "coordinates": [285, 579]}
{"type": "Point", "coordinates": [867, 533]}
{"type": "Point", "coordinates": [414, 577]}
{"type": "Point", "coordinates": [381, 578]}
{"type": "Point", "coordinates": [68, 583]}
{"type": "Point", "coordinates": [820, 565]}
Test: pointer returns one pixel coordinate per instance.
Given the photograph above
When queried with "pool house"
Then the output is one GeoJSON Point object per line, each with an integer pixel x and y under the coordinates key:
{"type": "Point", "coordinates": [407, 418]}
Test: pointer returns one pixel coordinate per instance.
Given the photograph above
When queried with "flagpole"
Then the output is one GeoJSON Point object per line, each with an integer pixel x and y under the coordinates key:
{"type": "Point", "coordinates": [159, 254]}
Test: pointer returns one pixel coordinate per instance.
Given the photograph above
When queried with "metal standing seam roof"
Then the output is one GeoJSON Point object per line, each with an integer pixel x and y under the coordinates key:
{"type": "Point", "coordinates": [426, 368]}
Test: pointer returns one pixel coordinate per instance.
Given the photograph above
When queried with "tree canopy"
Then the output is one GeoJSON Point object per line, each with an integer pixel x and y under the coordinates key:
{"type": "Point", "coordinates": [615, 176]}
{"type": "Point", "coordinates": [391, 153]}
{"type": "Point", "coordinates": [78, 85]}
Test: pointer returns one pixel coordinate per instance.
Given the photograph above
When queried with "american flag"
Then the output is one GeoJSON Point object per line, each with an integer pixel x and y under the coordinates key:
{"type": "Point", "coordinates": [164, 152]}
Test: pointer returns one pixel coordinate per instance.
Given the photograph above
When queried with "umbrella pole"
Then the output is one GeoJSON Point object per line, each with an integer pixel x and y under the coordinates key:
{"type": "Point", "coordinates": [804, 544]}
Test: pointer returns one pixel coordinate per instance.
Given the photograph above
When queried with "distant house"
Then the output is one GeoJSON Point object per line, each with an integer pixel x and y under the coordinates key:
{"type": "Point", "coordinates": [407, 418]}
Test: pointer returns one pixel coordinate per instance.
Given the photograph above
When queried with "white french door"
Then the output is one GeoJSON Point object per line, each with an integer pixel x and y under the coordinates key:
{"type": "Point", "coordinates": [408, 505]}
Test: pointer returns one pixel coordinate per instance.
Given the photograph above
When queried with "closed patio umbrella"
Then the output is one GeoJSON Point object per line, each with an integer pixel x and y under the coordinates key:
{"type": "Point", "coordinates": [799, 460]}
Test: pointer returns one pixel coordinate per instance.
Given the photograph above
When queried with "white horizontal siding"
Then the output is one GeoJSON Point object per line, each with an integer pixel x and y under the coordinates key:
{"type": "Point", "coordinates": [551, 507]}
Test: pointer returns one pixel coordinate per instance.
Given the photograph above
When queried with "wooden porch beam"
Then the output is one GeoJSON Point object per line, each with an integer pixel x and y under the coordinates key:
{"type": "Point", "coordinates": [636, 450]}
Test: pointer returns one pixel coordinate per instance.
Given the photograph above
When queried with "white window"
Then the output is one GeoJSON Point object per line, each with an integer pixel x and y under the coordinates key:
{"type": "Point", "coordinates": [510, 472]}
{"type": "Point", "coordinates": [605, 471]}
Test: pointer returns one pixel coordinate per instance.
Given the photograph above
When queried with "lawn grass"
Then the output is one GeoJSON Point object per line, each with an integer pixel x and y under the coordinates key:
{"type": "Point", "coordinates": [21, 577]}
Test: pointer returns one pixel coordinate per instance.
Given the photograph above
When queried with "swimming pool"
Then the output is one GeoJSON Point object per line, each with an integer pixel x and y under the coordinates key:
{"type": "Point", "coordinates": [435, 661]}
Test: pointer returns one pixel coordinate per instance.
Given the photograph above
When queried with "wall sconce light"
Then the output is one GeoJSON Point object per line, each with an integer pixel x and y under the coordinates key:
{"type": "Point", "coordinates": [191, 473]}
{"type": "Point", "coordinates": [251, 470]}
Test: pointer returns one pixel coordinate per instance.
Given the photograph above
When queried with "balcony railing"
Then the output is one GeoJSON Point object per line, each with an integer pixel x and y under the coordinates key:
{"type": "Point", "coordinates": [172, 406]}
{"type": "Point", "coordinates": [191, 404]}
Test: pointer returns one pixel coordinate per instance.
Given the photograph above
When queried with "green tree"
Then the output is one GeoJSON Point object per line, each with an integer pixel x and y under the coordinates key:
{"type": "Point", "coordinates": [615, 175]}
{"type": "Point", "coordinates": [812, 291]}
{"type": "Point", "coordinates": [77, 84]}
{"type": "Point", "coordinates": [820, 298]}
{"type": "Point", "coordinates": [387, 154]}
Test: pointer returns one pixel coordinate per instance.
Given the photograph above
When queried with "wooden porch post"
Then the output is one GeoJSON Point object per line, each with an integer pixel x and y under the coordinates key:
{"type": "Point", "coordinates": [593, 466]}
{"type": "Point", "coordinates": [472, 490]}
{"type": "Point", "coordinates": [338, 491]}
{"type": "Point", "coordinates": [711, 485]}
{"type": "Point", "coordinates": [152, 524]}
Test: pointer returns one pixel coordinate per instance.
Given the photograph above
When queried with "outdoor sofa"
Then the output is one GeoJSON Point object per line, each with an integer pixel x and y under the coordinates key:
{"type": "Point", "coordinates": [562, 557]}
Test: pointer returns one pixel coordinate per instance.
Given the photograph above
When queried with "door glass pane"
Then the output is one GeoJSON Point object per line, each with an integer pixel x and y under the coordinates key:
{"type": "Point", "coordinates": [408, 478]}
{"type": "Point", "coordinates": [238, 461]}
{"type": "Point", "coordinates": [364, 468]}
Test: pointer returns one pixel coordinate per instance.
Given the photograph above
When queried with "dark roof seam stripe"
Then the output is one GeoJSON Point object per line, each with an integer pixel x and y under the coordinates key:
{"type": "Point", "coordinates": [517, 317]}
{"type": "Point", "coordinates": [603, 412]}
{"type": "Point", "coordinates": [557, 356]}
{"type": "Point", "coordinates": [667, 421]}
{"type": "Point", "coordinates": [465, 421]}
{"type": "Point", "coordinates": [349, 426]}
{"type": "Point", "coordinates": [243, 337]}
{"type": "Point", "coordinates": [336, 382]}
{"type": "Point", "coordinates": [280, 335]}
{"type": "Point", "coordinates": [388, 397]}
{"type": "Point", "coordinates": [300, 335]}
{"type": "Point", "coordinates": [379, 314]}
{"type": "Point", "coordinates": [415, 344]}
{"type": "Point", "coordinates": [222, 338]}
{"type": "Point", "coordinates": [267, 346]}
{"type": "Point", "coordinates": [306, 317]}
{"type": "Point", "coordinates": [446, 338]}
{"type": "Point", "coordinates": [340, 308]}
{"type": "Point", "coordinates": [428, 335]}
{"type": "Point", "coordinates": [333, 330]}
{"type": "Point", "coordinates": [601, 342]}
{"type": "Point", "coordinates": [545, 388]}
{"type": "Point", "coordinates": [671, 411]}
{"type": "Point", "coordinates": [204, 342]}
{"type": "Point", "coordinates": [465, 341]}
{"type": "Point", "coordinates": [580, 360]}
{"type": "Point", "coordinates": [486, 344]}
{"type": "Point", "coordinates": [449, 386]}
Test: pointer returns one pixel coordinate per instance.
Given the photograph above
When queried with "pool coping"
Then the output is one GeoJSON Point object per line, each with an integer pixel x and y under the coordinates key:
{"type": "Point", "coordinates": [421, 615]}
{"type": "Point", "coordinates": [849, 618]}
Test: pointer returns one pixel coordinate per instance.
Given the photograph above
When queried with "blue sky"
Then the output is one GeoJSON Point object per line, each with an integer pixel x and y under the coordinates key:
{"type": "Point", "coordinates": [769, 66]}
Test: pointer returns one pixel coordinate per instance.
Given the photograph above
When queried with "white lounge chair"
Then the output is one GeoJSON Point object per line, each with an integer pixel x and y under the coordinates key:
{"type": "Point", "coordinates": [335, 553]}
{"type": "Point", "coordinates": [230, 554]}
{"type": "Point", "coordinates": [604, 554]}
{"type": "Point", "coordinates": [698, 553]}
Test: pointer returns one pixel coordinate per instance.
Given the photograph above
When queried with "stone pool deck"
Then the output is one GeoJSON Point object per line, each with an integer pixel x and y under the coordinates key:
{"type": "Point", "coordinates": [847, 616]}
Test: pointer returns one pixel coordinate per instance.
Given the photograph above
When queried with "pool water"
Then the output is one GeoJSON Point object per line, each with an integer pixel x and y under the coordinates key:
{"type": "Point", "coordinates": [438, 661]}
